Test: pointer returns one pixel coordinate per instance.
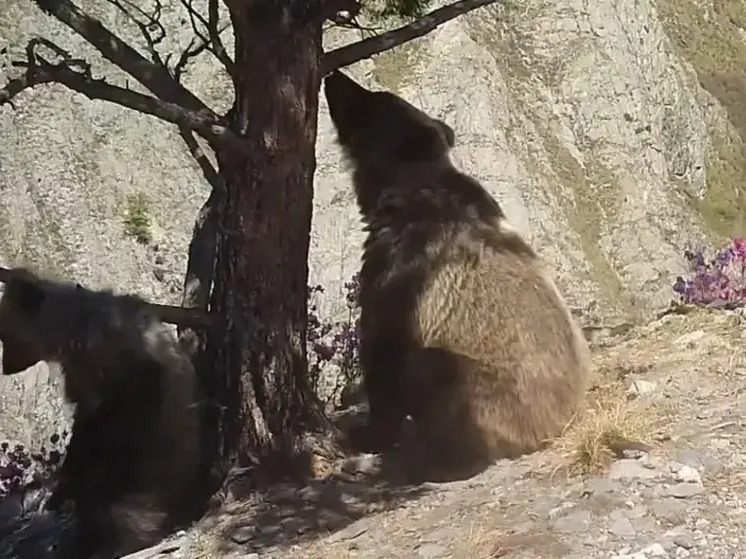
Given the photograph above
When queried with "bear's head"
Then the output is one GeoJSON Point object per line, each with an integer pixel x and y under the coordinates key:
{"type": "Point", "coordinates": [379, 128]}
{"type": "Point", "coordinates": [20, 313]}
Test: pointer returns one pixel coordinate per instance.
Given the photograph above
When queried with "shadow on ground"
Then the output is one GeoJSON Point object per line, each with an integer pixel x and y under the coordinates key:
{"type": "Point", "coordinates": [291, 514]}
{"type": "Point", "coordinates": [26, 532]}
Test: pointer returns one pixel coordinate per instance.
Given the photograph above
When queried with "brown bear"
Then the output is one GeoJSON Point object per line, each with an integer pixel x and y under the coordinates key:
{"type": "Point", "coordinates": [134, 453]}
{"type": "Point", "coordinates": [461, 327]}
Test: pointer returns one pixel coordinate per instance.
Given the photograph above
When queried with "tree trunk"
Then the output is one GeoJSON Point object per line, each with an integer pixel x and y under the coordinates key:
{"type": "Point", "coordinates": [258, 351]}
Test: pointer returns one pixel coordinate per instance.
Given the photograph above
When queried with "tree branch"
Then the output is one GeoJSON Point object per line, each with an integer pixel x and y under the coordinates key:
{"type": "Point", "coordinates": [349, 54]}
{"type": "Point", "coordinates": [213, 26]}
{"type": "Point", "coordinates": [152, 76]}
{"type": "Point", "coordinates": [40, 72]}
{"type": "Point", "coordinates": [151, 30]}
{"type": "Point", "coordinates": [166, 313]}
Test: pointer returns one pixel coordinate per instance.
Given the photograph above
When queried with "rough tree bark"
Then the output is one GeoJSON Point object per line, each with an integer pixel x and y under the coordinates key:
{"type": "Point", "coordinates": [258, 349]}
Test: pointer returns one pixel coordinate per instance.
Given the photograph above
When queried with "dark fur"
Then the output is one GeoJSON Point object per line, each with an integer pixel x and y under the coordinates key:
{"type": "Point", "coordinates": [461, 328]}
{"type": "Point", "coordinates": [134, 451]}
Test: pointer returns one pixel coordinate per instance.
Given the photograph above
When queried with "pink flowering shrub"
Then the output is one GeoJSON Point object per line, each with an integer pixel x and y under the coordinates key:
{"type": "Point", "coordinates": [716, 282]}
{"type": "Point", "coordinates": [19, 466]}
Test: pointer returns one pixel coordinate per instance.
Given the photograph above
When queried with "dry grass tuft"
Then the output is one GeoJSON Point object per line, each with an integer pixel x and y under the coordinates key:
{"type": "Point", "coordinates": [480, 542]}
{"type": "Point", "coordinates": [204, 546]}
{"type": "Point", "coordinates": [609, 424]}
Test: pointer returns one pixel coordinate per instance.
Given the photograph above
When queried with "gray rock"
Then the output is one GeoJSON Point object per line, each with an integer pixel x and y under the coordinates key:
{"type": "Point", "coordinates": [685, 490]}
{"type": "Point", "coordinates": [576, 521]}
{"type": "Point", "coordinates": [688, 474]}
{"type": "Point", "coordinates": [669, 510]}
{"type": "Point", "coordinates": [431, 551]}
{"type": "Point", "coordinates": [654, 550]}
{"type": "Point", "coordinates": [691, 458]}
{"type": "Point", "coordinates": [559, 511]}
{"type": "Point", "coordinates": [642, 387]}
{"type": "Point", "coordinates": [644, 524]}
{"type": "Point", "coordinates": [598, 485]}
{"type": "Point", "coordinates": [366, 464]}
{"type": "Point", "coordinates": [684, 540]}
{"type": "Point", "coordinates": [623, 528]}
{"type": "Point", "coordinates": [629, 468]}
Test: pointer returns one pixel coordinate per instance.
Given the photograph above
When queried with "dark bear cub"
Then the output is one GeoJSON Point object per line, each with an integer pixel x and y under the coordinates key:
{"type": "Point", "coordinates": [135, 448]}
{"type": "Point", "coordinates": [461, 327]}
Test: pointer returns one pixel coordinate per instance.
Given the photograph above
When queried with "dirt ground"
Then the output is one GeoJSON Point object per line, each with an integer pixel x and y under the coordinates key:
{"type": "Point", "coordinates": [677, 385]}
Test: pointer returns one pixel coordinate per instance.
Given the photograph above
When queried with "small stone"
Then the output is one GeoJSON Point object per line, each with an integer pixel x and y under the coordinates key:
{"type": "Point", "coordinates": [629, 468]}
{"type": "Point", "coordinates": [690, 338]}
{"type": "Point", "coordinates": [719, 444]}
{"type": "Point", "coordinates": [600, 485]}
{"type": "Point", "coordinates": [557, 511]}
{"type": "Point", "coordinates": [650, 462]}
{"type": "Point", "coordinates": [644, 524]}
{"type": "Point", "coordinates": [669, 509]}
{"type": "Point", "coordinates": [684, 540]}
{"type": "Point", "coordinates": [616, 515]}
{"type": "Point", "coordinates": [691, 458]}
{"type": "Point", "coordinates": [574, 522]}
{"type": "Point", "coordinates": [243, 534]}
{"type": "Point", "coordinates": [362, 464]}
{"type": "Point", "coordinates": [642, 387]}
{"type": "Point", "coordinates": [292, 524]}
{"type": "Point", "coordinates": [687, 474]}
{"type": "Point", "coordinates": [636, 511]}
{"type": "Point", "coordinates": [431, 551]}
{"type": "Point", "coordinates": [249, 556]}
{"type": "Point", "coordinates": [623, 528]}
{"type": "Point", "coordinates": [331, 520]}
{"type": "Point", "coordinates": [685, 490]}
{"type": "Point", "coordinates": [654, 550]}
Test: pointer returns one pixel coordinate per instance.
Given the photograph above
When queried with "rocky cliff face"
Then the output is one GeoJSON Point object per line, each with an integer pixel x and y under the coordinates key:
{"type": "Point", "coordinates": [612, 133]}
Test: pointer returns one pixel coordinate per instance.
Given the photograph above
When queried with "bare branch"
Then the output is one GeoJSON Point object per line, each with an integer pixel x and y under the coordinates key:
{"type": "Point", "coordinates": [39, 71]}
{"type": "Point", "coordinates": [212, 43]}
{"type": "Point", "coordinates": [349, 54]}
{"type": "Point", "coordinates": [217, 43]}
{"type": "Point", "coordinates": [152, 21]}
{"type": "Point", "coordinates": [167, 313]}
{"type": "Point", "coordinates": [196, 46]}
{"type": "Point", "coordinates": [154, 77]}
{"type": "Point", "coordinates": [196, 18]}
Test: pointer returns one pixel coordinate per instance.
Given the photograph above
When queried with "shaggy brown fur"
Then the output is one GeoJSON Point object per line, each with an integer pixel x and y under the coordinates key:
{"type": "Point", "coordinates": [461, 328]}
{"type": "Point", "coordinates": [134, 451]}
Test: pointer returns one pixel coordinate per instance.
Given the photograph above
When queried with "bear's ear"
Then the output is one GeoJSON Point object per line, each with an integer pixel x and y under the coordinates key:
{"type": "Point", "coordinates": [422, 143]}
{"type": "Point", "coordinates": [18, 355]}
{"type": "Point", "coordinates": [26, 295]}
